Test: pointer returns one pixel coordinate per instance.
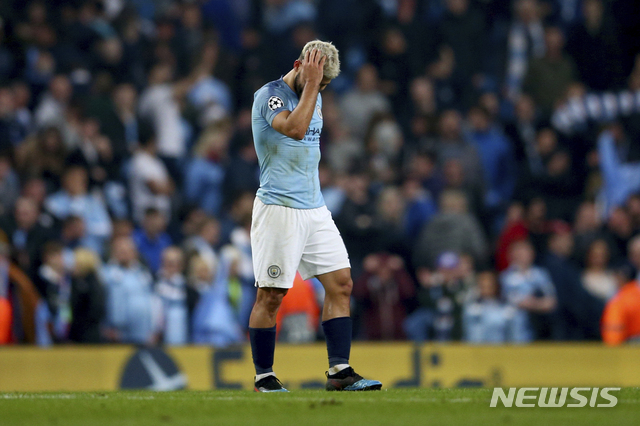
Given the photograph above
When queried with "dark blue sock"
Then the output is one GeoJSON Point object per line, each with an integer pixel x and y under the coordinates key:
{"type": "Point", "coordinates": [263, 345]}
{"type": "Point", "coordinates": [338, 334]}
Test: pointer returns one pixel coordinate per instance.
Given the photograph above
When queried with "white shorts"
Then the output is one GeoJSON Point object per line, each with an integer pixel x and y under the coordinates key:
{"type": "Point", "coordinates": [285, 240]}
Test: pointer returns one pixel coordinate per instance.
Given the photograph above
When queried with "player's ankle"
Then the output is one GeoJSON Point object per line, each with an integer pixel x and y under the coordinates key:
{"type": "Point", "coordinates": [263, 375]}
{"type": "Point", "coordinates": [337, 368]}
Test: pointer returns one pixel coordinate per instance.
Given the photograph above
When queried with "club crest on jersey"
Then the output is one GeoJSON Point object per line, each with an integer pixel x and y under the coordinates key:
{"type": "Point", "coordinates": [274, 271]}
{"type": "Point", "coordinates": [274, 103]}
{"type": "Point", "coordinates": [319, 111]}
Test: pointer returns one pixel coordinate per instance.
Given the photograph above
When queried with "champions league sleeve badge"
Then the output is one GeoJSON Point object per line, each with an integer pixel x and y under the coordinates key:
{"type": "Point", "coordinates": [274, 103]}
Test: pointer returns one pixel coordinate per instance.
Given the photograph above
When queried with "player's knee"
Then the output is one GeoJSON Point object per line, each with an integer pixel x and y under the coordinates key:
{"type": "Point", "coordinates": [270, 298]}
{"type": "Point", "coordinates": [346, 286]}
{"type": "Point", "coordinates": [342, 286]}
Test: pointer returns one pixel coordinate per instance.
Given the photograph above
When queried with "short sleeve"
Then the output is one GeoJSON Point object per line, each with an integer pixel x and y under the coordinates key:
{"type": "Point", "coordinates": [271, 101]}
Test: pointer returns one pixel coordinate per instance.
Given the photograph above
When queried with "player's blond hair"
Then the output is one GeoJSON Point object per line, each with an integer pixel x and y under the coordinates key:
{"type": "Point", "coordinates": [332, 63]}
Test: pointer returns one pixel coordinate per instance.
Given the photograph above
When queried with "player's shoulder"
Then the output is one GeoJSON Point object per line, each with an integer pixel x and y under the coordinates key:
{"type": "Point", "coordinates": [272, 88]}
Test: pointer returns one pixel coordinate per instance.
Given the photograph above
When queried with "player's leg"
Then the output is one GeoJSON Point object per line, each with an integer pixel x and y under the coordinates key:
{"type": "Point", "coordinates": [262, 334]}
{"type": "Point", "coordinates": [325, 257]}
{"type": "Point", "coordinates": [276, 244]}
{"type": "Point", "coordinates": [337, 327]}
{"type": "Point", "coordinates": [336, 317]}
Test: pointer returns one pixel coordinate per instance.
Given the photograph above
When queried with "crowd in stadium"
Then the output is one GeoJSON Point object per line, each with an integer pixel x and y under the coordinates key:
{"type": "Point", "coordinates": [480, 158]}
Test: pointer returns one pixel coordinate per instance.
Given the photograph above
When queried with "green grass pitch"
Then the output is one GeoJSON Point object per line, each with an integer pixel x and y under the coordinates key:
{"type": "Point", "coordinates": [299, 408]}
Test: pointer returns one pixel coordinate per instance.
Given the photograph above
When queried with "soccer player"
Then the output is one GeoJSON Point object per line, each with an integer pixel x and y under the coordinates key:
{"type": "Point", "coordinates": [292, 229]}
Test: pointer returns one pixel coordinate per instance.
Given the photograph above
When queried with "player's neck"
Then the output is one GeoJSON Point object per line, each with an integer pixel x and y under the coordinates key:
{"type": "Point", "coordinates": [290, 79]}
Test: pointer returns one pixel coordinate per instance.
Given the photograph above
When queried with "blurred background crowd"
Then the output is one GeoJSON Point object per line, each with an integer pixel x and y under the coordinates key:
{"type": "Point", "coordinates": [481, 159]}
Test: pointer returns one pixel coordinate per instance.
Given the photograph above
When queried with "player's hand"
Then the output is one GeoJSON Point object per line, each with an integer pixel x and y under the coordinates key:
{"type": "Point", "coordinates": [312, 67]}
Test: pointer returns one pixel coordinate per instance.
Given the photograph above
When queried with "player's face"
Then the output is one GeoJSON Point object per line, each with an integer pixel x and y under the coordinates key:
{"type": "Point", "coordinates": [324, 83]}
{"type": "Point", "coordinates": [299, 84]}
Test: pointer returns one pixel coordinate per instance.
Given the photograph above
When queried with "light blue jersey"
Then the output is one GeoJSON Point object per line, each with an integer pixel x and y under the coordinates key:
{"type": "Point", "coordinates": [288, 167]}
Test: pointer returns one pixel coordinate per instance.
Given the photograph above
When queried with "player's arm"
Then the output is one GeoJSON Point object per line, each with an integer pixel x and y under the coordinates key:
{"type": "Point", "coordinates": [295, 123]}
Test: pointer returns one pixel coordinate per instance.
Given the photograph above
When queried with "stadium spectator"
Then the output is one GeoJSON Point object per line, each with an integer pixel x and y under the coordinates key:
{"type": "Point", "coordinates": [463, 30]}
{"type": "Point", "coordinates": [552, 174]}
{"type": "Point", "coordinates": [391, 56]}
{"type": "Point", "coordinates": [486, 317]}
{"type": "Point", "coordinates": [620, 230]}
{"type": "Point", "coordinates": [621, 318]}
{"type": "Point", "coordinates": [497, 163]}
{"type": "Point", "coordinates": [95, 153]}
{"type": "Point", "coordinates": [19, 301]}
{"type": "Point", "coordinates": [242, 170]}
{"type": "Point", "coordinates": [54, 284]}
{"type": "Point", "coordinates": [159, 105]}
{"type": "Point", "coordinates": [152, 239]}
{"type": "Point", "coordinates": [529, 290]}
{"type": "Point", "coordinates": [514, 229]}
{"type": "Point", "coordinates": [356, 219]}
{"type": "Point", "coordinates": [9, 185]}
{"type": "Point", "coordinates": [597, 278]}
{"type": "Point", "coordinates": [203, 183]}
{"type": "Point", "coordinates": [333, 183]}
{"type": "Point", "coordinates": [74, 199]}
{"type": "Point", "coordinates": [362, 103]}
{"type": "Point", "coordinates": [521, 131]}
{"type": "Point", "coordinates": [149, 180]}
{"type": "Point", "coordinates": [132, 308]}
{"type": "Point", "coordinates": [42, 155]}
{"type": "Point", "coordinates": [209, 95]}
{"type": "Point", "coordinates": [525, 41]}
{"type": "Point", "coordinates": [199, 281]}
{"type": "Point", "coordinates": [420, 207]}
{"type": "Point", "coordinates": [72, 233]}
{"type": "Point", "coordinates": [455, 179]}
{"type": "Point", "coordinates": [384, 144]}
{"type": "Point", "coordinates": [171, 288]}
{"type": "Point", "coordinates": [279, 17]}
{"type": "Point", "coordinates": [50, 111]}
{"type": "Point", "coordinates": [452, 145]}
{"type": "Point", "coordinates": [240, 278]}
{"type": "Point", "coordinates": [424, 107]}
{"type": "Point", "coordinates": [440, 298]}
{"type": "Point", "coordinates": [299, 314]}
{"type": "Point", "coordinates": [215, 320]}
{"type": "Point", "coordinates": [204, 243]}
{"type": "Point", "coordinates": [454, 229]}
{"type": "Point", "coordinates": [384, 290]}
{"type": "Point", "coordinates": [587, 228]}
{"type": "Point", "coordinates": [592, 43]}
{"type": "Point", "coordinates": [26, 233]}
{"type": "Point", "coordinates": [392, 217]}
{"type": "Point", "coordinates": [448, 88]}
{"type": "Point", "coordinates": [548, 78]}
{"type": "Point", "coordinates": [120, 121]}
{"type": "Point", "coordinates": [88, 299]}
{"type": "Point", "coordinates": [620, 177]}
{"type": "Point", "coordinates": [577, 311]}
{"type": "Point", "coordinates": [423, 166]}
{"type": "Point", "coordinates": [239, 214]}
